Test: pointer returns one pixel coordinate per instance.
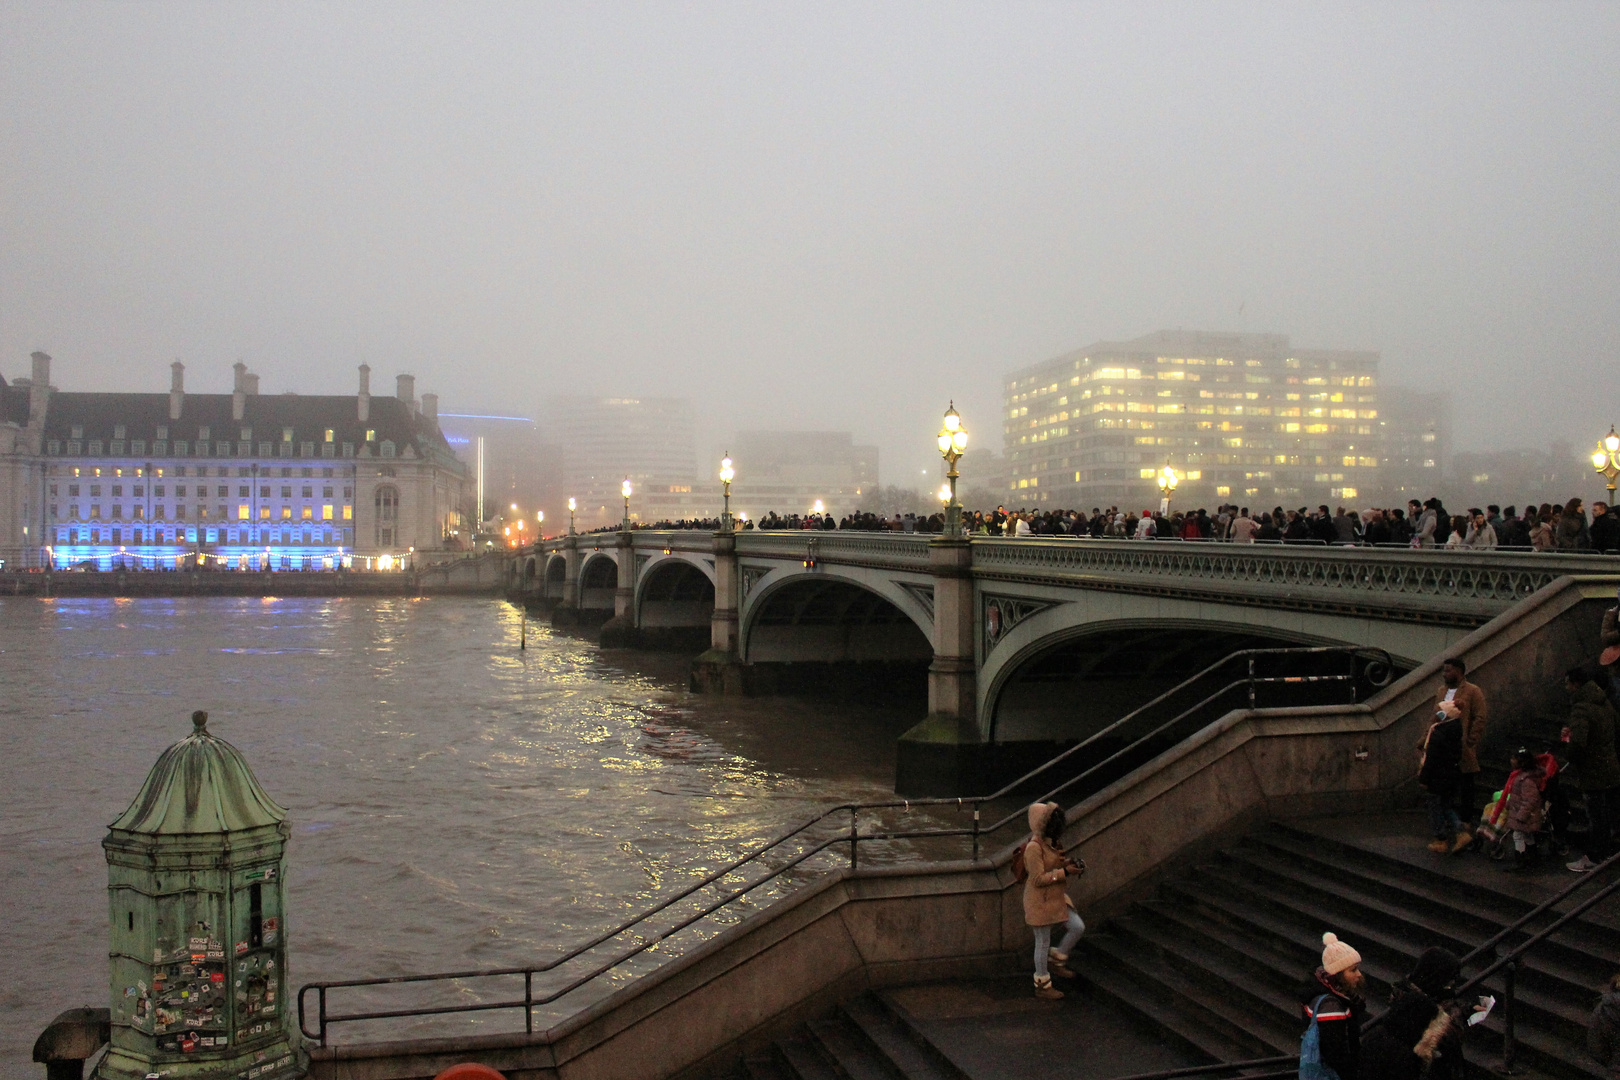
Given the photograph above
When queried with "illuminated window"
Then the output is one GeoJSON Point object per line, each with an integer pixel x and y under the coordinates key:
{"type": "Point", "coordinates": [309, 513]}
{"type": "Point", "coordinates": [386, 503]}
{"type": "Point", "coordinates": [326, 512]}
{"type": "Point", "coordinates": [329, 434]}
{"type": "Point", "coordinates": [348, 512]}
{"type": "Point", "coordinates": [371, 434]}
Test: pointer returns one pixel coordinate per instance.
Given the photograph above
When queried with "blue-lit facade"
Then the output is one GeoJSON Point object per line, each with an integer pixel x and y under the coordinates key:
{"type": "Point", "coordinates": [223, 482]}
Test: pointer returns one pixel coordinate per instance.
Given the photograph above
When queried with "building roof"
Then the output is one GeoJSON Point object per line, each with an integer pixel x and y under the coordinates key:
{"type": "Point", "coordinates": [201, 784]}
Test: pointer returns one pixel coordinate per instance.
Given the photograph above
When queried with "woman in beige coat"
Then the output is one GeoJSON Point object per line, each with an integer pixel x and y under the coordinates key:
{"type": "Point", "coordinates": [1046, 896]}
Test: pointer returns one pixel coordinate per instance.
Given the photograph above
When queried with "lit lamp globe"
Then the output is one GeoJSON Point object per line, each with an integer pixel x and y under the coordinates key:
{"type": "Point", "coordinates": [727, 475]}
{"type": "Point", "coordinates": [573, 504]}
{"type": "Point", "coordinates": [626, 490]}
{"type": "Point", "coordinates": [1606, 460]}
{"type": "Point", "coordinates": [952, 443]}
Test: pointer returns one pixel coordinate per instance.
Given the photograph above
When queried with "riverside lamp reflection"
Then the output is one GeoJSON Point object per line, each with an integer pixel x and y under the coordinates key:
{"type": "Point", "coordinates": [953, 440]}
{"type": "Point", "coordinates": [727, 475]}
{"type": "Point", "coordinates": [1607, 460]}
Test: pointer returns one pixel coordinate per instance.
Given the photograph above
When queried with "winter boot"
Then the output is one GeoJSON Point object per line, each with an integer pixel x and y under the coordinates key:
{"type": "Point", "coordinates": [1439, 847]}
{"type": "Point", "coordinates": [1464, 841]}
{"type": "Point", "coordinates": [1045, 990]}
{"type": "Point", "coordinates": [1058, 964]}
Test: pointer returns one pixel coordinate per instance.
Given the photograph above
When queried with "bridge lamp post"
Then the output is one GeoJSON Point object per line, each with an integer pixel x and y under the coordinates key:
{"type": "Point", "coordinates": [1607, 460]}
{"type": "Point", "coordinates": [1167, 486]}
{"type": "Point", "coordinates": [625, 490]}
{"type": "Point", "coordinates": [727, 475]}
{"type": "Point", "coordinates": [540, 524]}
{"type": "Point", "coordinates": [952, 442]}
{"type": "Point", "coordinates": [573, 504]}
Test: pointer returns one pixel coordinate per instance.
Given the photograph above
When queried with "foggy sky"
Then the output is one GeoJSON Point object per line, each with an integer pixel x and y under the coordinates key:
{"type": "Point", "coordinates": [810, 215]}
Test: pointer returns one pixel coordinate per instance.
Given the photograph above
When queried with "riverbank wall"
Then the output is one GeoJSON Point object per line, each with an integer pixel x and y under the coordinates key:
{"type": "Point", "coordinates": [466, 577]}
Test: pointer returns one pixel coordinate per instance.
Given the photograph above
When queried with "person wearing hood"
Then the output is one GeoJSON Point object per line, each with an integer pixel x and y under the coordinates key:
{"type": "Point", "coordinates": [1438, 1044]}
{"type": "Point", "coordinates": [1333, 999]}
{"type": "Point", "coordinates": [1590, 734]}
{"type": "Point", "coordinates": [1403, 1045]}
{"type": "Point", "coordinates": [1046, 896]}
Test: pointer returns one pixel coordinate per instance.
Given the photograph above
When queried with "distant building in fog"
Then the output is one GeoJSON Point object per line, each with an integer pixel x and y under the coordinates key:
{"type": "Point", "coordinates": [519, 465]}
{"type": "Point", "coordinates": [605, 439]}
{"type": "Point", "coordinates": [790, 471]}
{"type": "Point", "coordinates": [1415, 427]}
{"type": "Point", "coordinates": [1245, 418]}
{"type": "Point", "coordinates": [289, 481]}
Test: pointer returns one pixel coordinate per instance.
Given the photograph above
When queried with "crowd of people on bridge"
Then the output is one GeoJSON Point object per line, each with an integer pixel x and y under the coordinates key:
{"type": "Point", "coordinates": [1545, 526]}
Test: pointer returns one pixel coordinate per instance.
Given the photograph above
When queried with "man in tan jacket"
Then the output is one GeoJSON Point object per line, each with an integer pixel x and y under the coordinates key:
{"type": "Point", "coordinates": [1470, 702]}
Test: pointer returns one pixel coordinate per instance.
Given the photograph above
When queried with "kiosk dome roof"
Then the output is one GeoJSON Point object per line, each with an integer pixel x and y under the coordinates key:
{"type": "Point", "coordinates": [201, 784]}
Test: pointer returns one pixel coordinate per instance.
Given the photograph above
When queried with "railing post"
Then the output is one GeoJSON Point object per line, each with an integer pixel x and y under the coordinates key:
{"type": "Point", "coordinates": [528, 1003]}
{"type": "Point", "coordinates": [1510, 1047]}
{"type": "Point", "coordinates": [1251, 681]}
{"type": "Point", "coordinates": [975, 832]}
{"type": "Point", "coordinates": [323, 1016]}
{"type": "Point", "coordinates": [854, 839]}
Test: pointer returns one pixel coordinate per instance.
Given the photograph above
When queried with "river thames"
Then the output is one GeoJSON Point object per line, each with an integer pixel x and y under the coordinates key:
{"type": "Point", "coordinates": [455, 802]}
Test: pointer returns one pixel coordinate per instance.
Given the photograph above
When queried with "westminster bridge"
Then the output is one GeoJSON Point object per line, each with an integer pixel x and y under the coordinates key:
{"type": "Point", "coordinates": [1015, 637]}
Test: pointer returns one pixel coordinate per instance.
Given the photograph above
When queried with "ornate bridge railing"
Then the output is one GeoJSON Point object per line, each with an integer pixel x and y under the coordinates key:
{"type": "Point", "coordinates": [1428, 585]}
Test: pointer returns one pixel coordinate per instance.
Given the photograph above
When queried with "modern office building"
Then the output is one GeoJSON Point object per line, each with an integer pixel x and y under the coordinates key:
{"type": "Point", "coordinates": [289, 481]}
{"type": "Point", "coordinates": [791, 472]}
{"type": "Point", "coordinates": [648, 440]}
{"type": "Point", "coordinates": [1244, 418]}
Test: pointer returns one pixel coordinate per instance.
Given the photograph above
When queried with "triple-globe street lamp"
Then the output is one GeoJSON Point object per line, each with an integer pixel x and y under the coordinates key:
{"type": "Point", "coordinates": [952, 442]}
{"type": "Point", "coordinates": [727, 475]}
{"type": "Point", "coordinates": [1607, 460]}
{"type": "Point", "coordinates": [573, 504]}
{"type": "Point", "coordinates": [1168, 479]}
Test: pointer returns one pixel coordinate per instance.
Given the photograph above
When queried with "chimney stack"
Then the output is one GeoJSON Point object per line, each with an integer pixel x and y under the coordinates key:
{"type": "Point", "coordinates": [250, 382]}
{"type": "Point", "coordinates": [365, 392]}
{"type": "Point", "coordinates": [239, 391]}
{"type": "Point", "coordinates": [406, 390]}
{"type": "Point", "coordinates": [430, 408]}
{"type": "Point", "coordinates": [177, 388]}
{"type": "Point", "coordinates": [39, 394]}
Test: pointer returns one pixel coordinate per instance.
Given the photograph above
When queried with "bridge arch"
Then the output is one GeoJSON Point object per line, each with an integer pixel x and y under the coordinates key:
{"type": "Point", "coordinates": [528, 574]}
{"type": "Point", "coordinates": [598, 581]}
{"type": "Point", "coordinates": [825, 617]}
{"type": "Point", "coordinates": [674, 591]}
{"type": "Point", "coordinates": [556, 576]}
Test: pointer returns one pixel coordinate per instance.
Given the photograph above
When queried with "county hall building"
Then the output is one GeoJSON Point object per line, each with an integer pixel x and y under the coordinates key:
{"type": "Point", "coordinates": [238, 480]}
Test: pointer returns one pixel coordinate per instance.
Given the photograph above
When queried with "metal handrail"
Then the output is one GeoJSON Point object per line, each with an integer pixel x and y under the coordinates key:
{"type": "Point", "coordinates": [1379, 662]}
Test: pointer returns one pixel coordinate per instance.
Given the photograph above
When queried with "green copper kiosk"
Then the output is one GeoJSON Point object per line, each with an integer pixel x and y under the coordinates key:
{"type": "Point", "coordinates": [196, 871]}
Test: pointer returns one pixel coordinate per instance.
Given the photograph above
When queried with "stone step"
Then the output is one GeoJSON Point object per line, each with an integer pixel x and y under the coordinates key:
{"type": "Point", "coordinates": [908, 1055]}
{"type": "Point", "coordinates": [1158, 993]}
{"type": "Point", "coordinates": [803, 1059]}
{"type": "Point", "coordinates": [851, 1053]}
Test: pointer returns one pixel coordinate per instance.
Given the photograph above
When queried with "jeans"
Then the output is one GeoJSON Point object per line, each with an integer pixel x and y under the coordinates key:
{"type": "Point", "coordinates": [1043, 940]}
{"type": "Point", "coordinates": [1443, 820]}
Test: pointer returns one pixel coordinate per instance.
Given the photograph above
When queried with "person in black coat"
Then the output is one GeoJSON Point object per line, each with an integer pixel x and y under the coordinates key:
{"type": "Point", "coordinates": [1440, 776]}
{"type": "Point", "coordinates": [1434, 980]}
{"type": "Point", "coordinates": [1403, 1044]}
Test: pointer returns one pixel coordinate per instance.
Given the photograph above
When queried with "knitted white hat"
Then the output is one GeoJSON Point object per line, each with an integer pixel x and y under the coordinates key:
{"type": "Point", "coordinates": [1336, 955]}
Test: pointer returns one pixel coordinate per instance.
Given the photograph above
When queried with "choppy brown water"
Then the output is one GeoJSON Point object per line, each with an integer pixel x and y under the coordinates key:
{"type": "Point", "coordinates": [455, 802]}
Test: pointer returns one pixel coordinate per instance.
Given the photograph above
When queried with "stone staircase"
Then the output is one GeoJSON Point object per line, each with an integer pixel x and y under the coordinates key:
{"type": "Point", "coordinates": [1210, 966]}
